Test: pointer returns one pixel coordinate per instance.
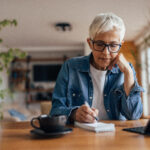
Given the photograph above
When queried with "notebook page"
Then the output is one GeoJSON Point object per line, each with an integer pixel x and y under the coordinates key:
{"type": "Point", "coordinates": [96, 127]}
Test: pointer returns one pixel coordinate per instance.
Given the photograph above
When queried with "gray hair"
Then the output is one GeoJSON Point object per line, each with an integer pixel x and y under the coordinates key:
{"type": "Point", "coordinates": [105, 22]}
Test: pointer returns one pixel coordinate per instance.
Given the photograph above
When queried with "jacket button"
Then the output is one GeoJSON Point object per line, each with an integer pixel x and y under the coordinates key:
{"type": "Point", "coordinates": [90, 97]}
{"type": "Point", "coordinates": [73, 94]}
{"type": "Point", "coordinates": [105, 94]}
{"type": "Point", "coordinates": [107, 110]}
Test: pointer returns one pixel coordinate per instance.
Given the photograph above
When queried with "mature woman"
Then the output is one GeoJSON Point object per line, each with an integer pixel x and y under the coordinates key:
{"type": "Point", "coordinates": [104, 79]}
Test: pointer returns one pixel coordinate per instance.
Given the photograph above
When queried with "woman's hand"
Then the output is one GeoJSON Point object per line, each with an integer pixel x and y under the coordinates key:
{"type": "Point", "coordinates": [121, 62]}
{"type": "Point", "coordinates": [86, 114]}
{"type": "Point", "coordinates": [126, 69]}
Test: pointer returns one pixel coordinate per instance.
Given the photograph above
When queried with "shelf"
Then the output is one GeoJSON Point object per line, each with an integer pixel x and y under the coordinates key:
{"type": "Point", "coordinates": [20, 70]}
{"type": "Point", "coordinates": [21, 79]}
{"type": "Point", "coordinates": [40, 59]}
{"type": "Point", "coordinates": [18, 79]}
{"type": "Point", "coordinates": [37, 101]}
{"type": "Point", "coordinates": [39, 90]}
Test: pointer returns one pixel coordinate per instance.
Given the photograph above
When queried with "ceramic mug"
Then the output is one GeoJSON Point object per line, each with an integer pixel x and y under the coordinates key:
{"type": "Point", "coordinates": [49, 124]}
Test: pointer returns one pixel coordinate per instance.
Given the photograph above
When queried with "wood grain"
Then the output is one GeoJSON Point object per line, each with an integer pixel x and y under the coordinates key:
{"type": "Point", "coordinates": [16, 136]}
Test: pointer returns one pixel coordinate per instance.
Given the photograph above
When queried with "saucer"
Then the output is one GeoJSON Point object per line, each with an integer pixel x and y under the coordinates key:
{"type": "Point", "coordinates": [41, 133]}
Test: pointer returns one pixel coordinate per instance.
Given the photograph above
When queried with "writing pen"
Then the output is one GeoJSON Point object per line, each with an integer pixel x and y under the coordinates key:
{"type": "Point", "coordinates": [87, 104]}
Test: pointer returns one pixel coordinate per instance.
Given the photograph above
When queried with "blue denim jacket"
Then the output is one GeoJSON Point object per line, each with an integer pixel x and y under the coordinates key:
{"type": "Point", "coordinates": [74, 86]}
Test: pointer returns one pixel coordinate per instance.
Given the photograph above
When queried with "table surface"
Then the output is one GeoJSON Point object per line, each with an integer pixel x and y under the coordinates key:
{"type": "Point", "coordinates": [17, 136]}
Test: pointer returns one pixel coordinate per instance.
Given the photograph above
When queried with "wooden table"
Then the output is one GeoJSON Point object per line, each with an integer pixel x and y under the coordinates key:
{"type": "Point", "coordinates": [16, 136]}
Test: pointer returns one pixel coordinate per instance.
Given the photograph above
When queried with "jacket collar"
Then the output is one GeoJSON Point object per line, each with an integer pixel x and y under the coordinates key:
{"type": "Point", "coordinates": [84, 65]}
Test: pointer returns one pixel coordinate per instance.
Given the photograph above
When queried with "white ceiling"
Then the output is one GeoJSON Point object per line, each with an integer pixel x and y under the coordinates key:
{"type": "Point", "coordinates": [37, 17]}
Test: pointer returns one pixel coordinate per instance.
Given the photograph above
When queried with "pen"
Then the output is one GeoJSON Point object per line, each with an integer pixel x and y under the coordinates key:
{"type": "Point", "coordinates": [87, 104]}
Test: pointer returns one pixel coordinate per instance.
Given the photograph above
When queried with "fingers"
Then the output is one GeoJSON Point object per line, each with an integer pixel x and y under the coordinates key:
{"type": "Point", "coordinates": [88, 110]}
{"type": "Point", "coordinates": [96, 111]}
{"type": "Point", "coordinates": [115, 61]}
{"type": "Point", "coordinates": [112, 64]}
{"type": "Point", "coordinates": [85, 117]}
{"type": "Point", "coordinates": [85, 114]}
{"type": "Point", "coordinates": [121, 62]}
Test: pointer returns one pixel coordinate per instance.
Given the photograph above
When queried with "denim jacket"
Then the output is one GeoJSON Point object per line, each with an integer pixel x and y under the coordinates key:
{"type": "Point", "coordinates": [74, 87]}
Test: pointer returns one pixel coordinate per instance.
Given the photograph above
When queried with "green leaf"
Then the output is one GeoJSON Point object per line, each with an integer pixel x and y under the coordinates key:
{"type": "Point", "coordinates": [23, 55]}
{"type": "Point", "coordinates": [1, 68]}
{"type": "Point", "coordinates": [7, 57]}
{"type": "Point", "coordinates": [6, 22]}
{"type": "Point", "coordinates": [15, 22]}
{"type": "Point", "coordinates": [1, 115]}
{"type": "Point", "coordinates": [1, 80]}
{"type": "Point", "coordinates": [1, 95]}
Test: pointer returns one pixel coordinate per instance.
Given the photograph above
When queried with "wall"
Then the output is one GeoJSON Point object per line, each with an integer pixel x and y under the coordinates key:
{"type": "Point", "coordinates": [87, 49]}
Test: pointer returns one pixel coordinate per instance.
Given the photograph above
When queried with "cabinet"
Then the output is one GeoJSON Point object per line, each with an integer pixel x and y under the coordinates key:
{"type": "Point", "coordinates": [21, 79]}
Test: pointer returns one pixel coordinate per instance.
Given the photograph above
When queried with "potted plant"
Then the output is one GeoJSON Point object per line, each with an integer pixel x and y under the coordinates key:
{"type": "Point", "coordinates": [6, 57]}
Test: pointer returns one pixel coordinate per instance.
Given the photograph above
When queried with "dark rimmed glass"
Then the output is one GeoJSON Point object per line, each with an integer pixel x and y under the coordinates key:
{"type": "Point", "coordinates": [100, 46]}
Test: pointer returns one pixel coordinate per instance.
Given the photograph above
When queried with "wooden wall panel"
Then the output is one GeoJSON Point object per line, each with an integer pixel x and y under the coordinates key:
{"type": "Point", "coordinates": [131, 54]}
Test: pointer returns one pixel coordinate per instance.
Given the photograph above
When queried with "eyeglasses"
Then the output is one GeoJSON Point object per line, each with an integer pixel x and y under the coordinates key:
{"type": "Point", "coordinates": [100, 46]}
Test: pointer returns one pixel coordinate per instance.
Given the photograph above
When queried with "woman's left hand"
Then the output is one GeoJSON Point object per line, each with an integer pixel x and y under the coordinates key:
{"type": "Point", "coordinates": [121, 62]}
{"type": "Point", "coordinates": [126, 69]}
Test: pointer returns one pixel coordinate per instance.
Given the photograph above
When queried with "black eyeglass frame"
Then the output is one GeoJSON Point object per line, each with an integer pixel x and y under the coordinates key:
{"type": "Point", "coordinates": [106, 45]}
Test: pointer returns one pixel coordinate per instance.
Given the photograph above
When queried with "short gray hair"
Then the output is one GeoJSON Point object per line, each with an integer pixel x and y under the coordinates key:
{"type": "Point", "coordinates": [104, 22]}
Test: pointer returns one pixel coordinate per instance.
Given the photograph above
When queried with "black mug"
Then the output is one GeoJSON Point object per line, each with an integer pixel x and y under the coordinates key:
{"type": "Point", "coordinates": [50, 124]}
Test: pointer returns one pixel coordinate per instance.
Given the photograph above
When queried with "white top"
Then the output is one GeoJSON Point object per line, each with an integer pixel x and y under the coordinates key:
{"type": "Point", "coordinates": [98, 79]}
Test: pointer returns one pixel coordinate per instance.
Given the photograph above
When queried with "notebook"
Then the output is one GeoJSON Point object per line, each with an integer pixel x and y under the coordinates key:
{"type": "Point", "coordinates": [96, 127]}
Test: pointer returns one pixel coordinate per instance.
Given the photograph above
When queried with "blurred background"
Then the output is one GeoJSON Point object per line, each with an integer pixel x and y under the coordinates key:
{"type": "Point", "coordinates": [50, 32]}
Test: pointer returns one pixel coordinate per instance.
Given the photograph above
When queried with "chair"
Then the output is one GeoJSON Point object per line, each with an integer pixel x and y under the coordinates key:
{"type": "Point", "coordinates": [46, 107]}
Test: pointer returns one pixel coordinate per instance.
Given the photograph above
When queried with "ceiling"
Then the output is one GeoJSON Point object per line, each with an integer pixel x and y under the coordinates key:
{"type": "Point", "coordinates": [36, 19]}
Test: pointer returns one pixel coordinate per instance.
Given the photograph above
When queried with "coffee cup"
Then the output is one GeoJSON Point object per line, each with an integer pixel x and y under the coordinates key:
{"type": "Point", "coordinates": [49, 124]}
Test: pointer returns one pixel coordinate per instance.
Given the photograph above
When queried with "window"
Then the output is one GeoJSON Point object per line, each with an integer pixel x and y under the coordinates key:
{"type": "Point", "coordinates": [145, 78]}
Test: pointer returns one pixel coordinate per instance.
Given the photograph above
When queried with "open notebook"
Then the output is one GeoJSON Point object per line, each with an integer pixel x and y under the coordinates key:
{"type": "Point", "coordinates": [96, 127]}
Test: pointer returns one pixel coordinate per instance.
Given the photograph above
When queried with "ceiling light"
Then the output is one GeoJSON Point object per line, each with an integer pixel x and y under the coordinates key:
{"type": "Point", "coordinates": [63, 26]}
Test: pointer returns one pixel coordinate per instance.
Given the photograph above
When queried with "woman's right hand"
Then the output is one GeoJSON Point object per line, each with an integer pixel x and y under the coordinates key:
{"type": "Point", "coordinates": [86, 114]}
